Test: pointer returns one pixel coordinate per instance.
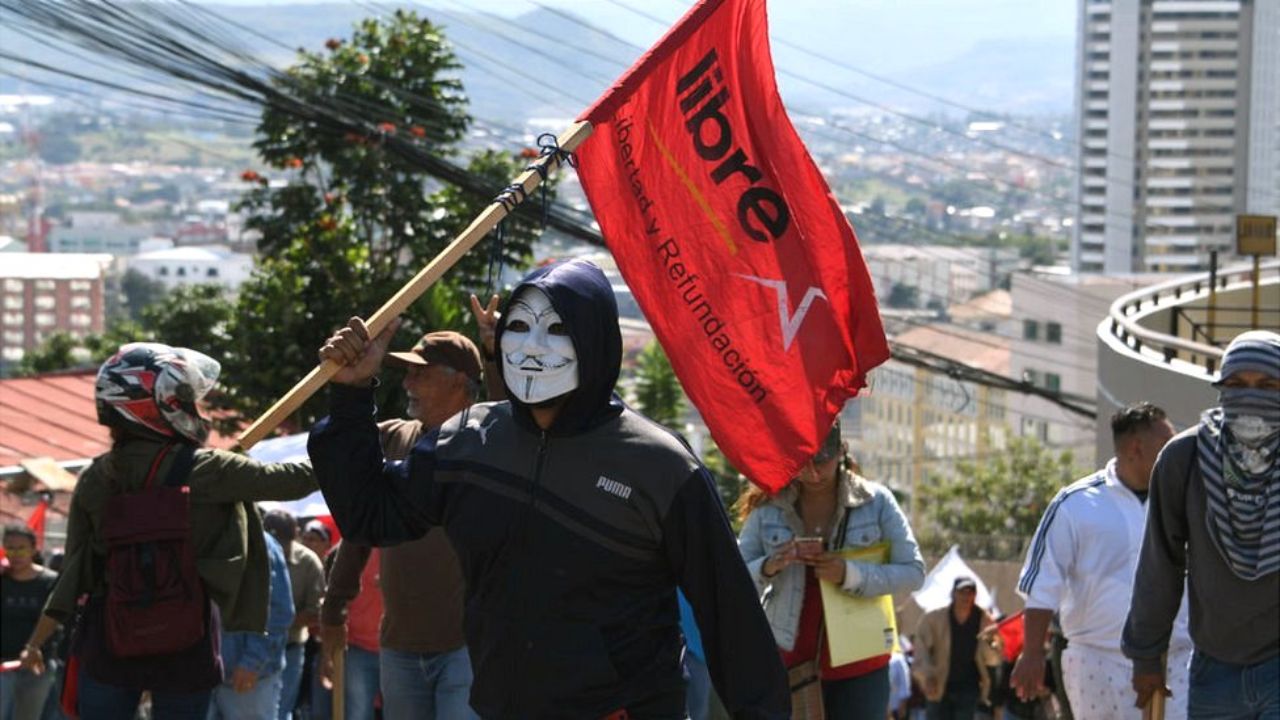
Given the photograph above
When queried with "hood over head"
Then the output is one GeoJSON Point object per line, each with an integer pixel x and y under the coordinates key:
{"type": "Point", "coordinates": [581, 294]}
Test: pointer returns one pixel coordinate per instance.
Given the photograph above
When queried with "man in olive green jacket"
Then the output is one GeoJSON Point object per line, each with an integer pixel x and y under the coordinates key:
{"type": "Point", "coordinates": [146, 394]}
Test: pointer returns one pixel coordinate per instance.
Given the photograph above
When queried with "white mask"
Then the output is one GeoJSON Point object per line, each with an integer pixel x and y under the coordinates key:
{"type": "Point", "coordinates": [539, 360]}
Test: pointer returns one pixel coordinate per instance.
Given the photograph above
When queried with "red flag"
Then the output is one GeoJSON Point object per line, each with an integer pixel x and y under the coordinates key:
{"type": "Point", "coordinates": [1011, 631]}
{"type": "Point", "coordinates": [35, 521]}
{"type": "Point", "coordinates": [732, 242]}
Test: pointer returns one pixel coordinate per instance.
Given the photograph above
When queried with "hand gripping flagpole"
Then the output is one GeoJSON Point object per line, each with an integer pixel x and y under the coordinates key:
{"type": "Point", "coordinates": [1154, 709]}
{"type": "Point", "coordinates": [488, 218]}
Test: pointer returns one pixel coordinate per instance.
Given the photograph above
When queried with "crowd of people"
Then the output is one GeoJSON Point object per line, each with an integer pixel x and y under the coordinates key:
{"type": "Point", "coordinates": [553, 553]}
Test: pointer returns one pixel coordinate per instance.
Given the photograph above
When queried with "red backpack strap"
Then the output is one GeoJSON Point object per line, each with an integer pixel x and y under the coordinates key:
{"type": "Point", "coordinates": [155, 465]}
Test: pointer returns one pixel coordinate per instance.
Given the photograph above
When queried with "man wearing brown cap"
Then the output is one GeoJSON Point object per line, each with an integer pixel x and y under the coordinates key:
{"type": "Point", "coordinates": [424, 670]}
{"type": "Point", "coordinates": [951, 660]}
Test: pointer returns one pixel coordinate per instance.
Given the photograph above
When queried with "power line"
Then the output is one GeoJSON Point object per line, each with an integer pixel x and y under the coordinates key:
{"type": "Point", "coordinates": [545, 55]}
{"type": "Point", "coordinates": [1069, 167]}
{"type": "Point", "coordinates": [928, 385]}
{"type": "Point", "coordinates": [1067, 205]}
{"type": "Point", "coordinates": [186, 63]}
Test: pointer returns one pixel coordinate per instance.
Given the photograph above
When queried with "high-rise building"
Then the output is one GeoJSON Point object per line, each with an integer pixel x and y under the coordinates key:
{"type": "Point", "coordinates": [1178, 116]}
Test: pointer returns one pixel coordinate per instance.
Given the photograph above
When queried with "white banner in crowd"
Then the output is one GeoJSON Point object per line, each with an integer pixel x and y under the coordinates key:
{"type": "Point", "coordinates": [291, 448]}
{"type": "Point", "coordinates": [936, 592]}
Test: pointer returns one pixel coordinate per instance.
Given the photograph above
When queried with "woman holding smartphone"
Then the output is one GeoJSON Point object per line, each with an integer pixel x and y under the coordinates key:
{"type": "Point", "coordinates": [794, 539]}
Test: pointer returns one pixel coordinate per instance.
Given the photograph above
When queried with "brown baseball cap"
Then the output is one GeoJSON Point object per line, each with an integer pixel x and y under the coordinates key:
{"type": "Point", "coordinates": [446, 348]}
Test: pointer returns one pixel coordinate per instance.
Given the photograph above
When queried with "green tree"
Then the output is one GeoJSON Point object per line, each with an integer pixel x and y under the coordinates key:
{"type": "Point", "coordinates": [730, 484]}
{"type": "Point", "coordinates": [999, 499]}
{"type": "Point", "coordinates": [59, 351]}
{"type": "Point", "coordinates": [139, 292]}
{"type": "Point", "coordinates": [915, 208]}
{"type": "Point", "coordinates": [193, 316]}
{"type": "Point", "coordinates": [356, 221]}
{"type": "Point", "coordinates": [657, 392]}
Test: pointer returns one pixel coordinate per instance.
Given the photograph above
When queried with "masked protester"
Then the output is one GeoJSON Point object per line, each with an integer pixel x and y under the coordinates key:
{"type": "Point", "coordinates": [147, 394]}
{"type": "Point", "coordinates": [1215, 521]}
{"type": "Point", "coordinates": [574, 519]}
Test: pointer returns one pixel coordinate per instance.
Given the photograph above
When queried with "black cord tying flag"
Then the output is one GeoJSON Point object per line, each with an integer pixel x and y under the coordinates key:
{"type": "Point", "coordinates": [514, 194]}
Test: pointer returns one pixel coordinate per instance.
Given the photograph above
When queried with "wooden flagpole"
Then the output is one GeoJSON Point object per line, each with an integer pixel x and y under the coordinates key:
{"type": "Point", "coordinates": [488, 219]}
{"type": "Point", "coordinates": [1154, 709]}
{"type": "Point", "coordinates": [339, 684]}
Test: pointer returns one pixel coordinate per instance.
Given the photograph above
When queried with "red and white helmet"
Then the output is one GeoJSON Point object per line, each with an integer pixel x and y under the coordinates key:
{"type": "Point", "coordinates": [156, 387]}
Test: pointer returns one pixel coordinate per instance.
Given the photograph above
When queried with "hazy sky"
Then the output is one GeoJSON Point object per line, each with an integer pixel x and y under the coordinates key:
{"type": "Point", "coordinates": [880, 33]}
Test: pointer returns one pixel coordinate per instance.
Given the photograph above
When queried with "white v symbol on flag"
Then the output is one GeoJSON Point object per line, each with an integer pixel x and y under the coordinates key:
{"type": "Point", "coordinates": [790, 323]}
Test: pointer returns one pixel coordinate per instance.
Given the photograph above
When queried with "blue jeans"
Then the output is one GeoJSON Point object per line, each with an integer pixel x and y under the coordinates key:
{"type": "Point", "coordinates": [361, 678]}
{"type": "Point", "coordinates": [865, 697]}
{"type": "Point", "coordinates": [698, 692]}
{"type": "Point", "coordinates": [99, 701]}
{"type": "Point", "coordinates": [23, 693]}
{"type": "Point", "coordinates": [1223, 691]}
{"type": "Point", "coordinates": [425, 686]}
{"type": "Point", "coordinates": [320, 704]}
{"type": "Point", "coordinates": [954, 705]}
{"type": "Point", "coordinates": [260, 703]}
{"type": "Point", "coordinates": [291, 679]}
{"type": "Point", "coordinates": [53, 703]}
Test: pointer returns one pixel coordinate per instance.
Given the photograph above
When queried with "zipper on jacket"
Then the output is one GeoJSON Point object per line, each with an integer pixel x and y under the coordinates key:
{"type": "Point", "coordinates": [520, 563]}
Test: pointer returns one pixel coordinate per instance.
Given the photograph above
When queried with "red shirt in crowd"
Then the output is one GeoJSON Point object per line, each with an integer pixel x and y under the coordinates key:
{"type": "Point", "coordinates": [364, 613]}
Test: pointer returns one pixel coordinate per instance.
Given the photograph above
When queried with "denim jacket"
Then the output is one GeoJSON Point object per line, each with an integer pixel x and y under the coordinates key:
{"type": "Point", "coordinates": [264, 652]}
{"type": "Point", "coordinates": [868, 515]}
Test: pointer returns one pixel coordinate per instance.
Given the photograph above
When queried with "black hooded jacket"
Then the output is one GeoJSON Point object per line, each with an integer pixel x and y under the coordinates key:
{"type": "Point", "coordinates": [572, 540]}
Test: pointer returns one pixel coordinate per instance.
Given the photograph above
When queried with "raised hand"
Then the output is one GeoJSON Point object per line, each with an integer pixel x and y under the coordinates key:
{"type": "Point", "coordinates": [487, 318]}
{"type": "Point", "coordinates": [360, 356]}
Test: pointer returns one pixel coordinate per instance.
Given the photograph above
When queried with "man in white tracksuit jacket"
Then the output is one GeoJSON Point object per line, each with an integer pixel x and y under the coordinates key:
{"type": "Point", "coordinates": [1081, 565]}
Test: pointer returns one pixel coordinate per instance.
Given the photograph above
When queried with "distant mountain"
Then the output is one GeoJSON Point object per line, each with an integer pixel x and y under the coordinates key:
{"type": "Point", "coordinates": [1021, 75]}
{"type": "Point", "coordinates": [541, 64]}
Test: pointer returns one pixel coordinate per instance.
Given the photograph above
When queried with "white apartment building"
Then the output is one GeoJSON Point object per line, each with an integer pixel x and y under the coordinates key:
{"type": "Point", "coordinates": [98, 232]}
{"type": "Point", "coordinates": [1178, 115]}
{"type": "Point", "coordinates": [193, 265]}
{"type": "Point", "coordinates": [941, 275]}
{"type": "Point", "coordinates": [913, 423]}
{"type": "Point", "coordinates": [1055, 347]}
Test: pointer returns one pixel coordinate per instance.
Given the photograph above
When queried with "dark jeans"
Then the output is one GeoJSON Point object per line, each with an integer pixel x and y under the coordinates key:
{"type": "Point", "coordinates": [954, 705]}
{"type": "Point", "coordinates": [1223, 691]}
{"type": "Point", "coordinates": [865, 697]}
{"type": "Point", "coordinates": [99, 701]}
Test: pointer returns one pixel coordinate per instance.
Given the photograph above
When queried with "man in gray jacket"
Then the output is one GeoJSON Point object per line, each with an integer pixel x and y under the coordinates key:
{"type": "Point", "coordinates": [1215, 521]}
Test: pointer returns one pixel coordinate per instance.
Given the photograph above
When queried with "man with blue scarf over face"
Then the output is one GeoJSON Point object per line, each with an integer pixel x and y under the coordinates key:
{"type": "Point", "coordinates": [574, 519]}
{"type": "Point", "coordinates": [1215, 520]}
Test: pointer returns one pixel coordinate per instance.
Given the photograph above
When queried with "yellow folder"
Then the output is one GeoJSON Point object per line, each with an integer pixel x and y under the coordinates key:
{"type": "Point", "coordinates": [859, 628]}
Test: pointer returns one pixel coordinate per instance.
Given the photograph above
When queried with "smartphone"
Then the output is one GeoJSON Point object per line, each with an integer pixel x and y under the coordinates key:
{"type": "Point", "coordinates": [807, 547]}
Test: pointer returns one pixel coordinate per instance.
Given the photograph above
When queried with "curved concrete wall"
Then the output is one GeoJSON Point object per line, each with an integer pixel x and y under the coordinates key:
{"type": "Point", "coordinates": [1127, 376]}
